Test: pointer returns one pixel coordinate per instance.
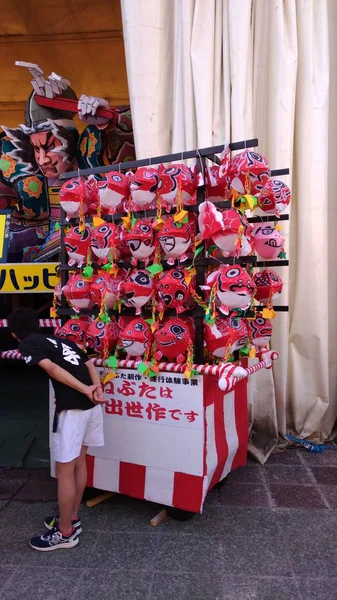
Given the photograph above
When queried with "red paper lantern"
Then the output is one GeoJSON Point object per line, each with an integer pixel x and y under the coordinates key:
{"type": "Point", "coordinates": [143, 186]}
{"type": "Point", "coordinates": [103, 336]}
{"type": "Point", "coordinates": [268, 286]}
{"type": "Point", "coordinates": [176, 183]}
{"type": "Point", "coordinates": [259, 331]}
{"type": "Point", "coordinates": [74, 330]}
{"type": "Point", "coordinates": [77, 292]}
{"type": "Point", "coordinates": [275, 197]}
{"type": "Point", "coordinates": [106, 287]}
{"type": "Point", "coordinates": [75, 197]}
{"type": "Point", "coordinates": [268, 241]}
{"type": "Point", "coordinates": [225, 336]}
{"type": "Point", "coordinates": [175, 238]}
{"type": "Point", "coordinates": [77, 244]}
{"type": "Point", "coordinates": [137, 289]}
{"type": "Point", "coordinates": [140, 241]}
{"type": "Point", "coordinates": [105, 242]}
{"type": "Point", "coordinates": [173, 290]}
{"type": "Point", "coordinates": [248, 172]}
{"type": "Point", "coordinates": [136, 338]}
{"type": "Point", "coordinates": [173, 340]}
{"type": "Point", "coordinates": [113, 191]}
{"type": "Point", "coordinates": [235, 288]}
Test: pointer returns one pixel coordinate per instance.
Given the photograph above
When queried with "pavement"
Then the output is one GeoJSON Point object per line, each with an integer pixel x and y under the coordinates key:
{"type": "Point", "coordinates": [269, 533]}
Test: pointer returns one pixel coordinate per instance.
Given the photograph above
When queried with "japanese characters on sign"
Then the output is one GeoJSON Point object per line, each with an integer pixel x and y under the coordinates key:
{"type": "Point", "coordinates": [167, 399]}
{"type": "Point", "coordinates": [26, 278]}
{"type": "Point", "coordinates": [5, 221]}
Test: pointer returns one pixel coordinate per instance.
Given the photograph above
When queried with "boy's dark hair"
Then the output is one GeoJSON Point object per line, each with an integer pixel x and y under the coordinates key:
{"type": "Point", "coordinates": [23, 322]}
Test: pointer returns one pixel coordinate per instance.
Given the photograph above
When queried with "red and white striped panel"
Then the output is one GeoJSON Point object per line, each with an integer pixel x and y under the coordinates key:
{"type": "Point", "coordinates": [226, 435]}
{"type": "Point", "coordinates": [42, 322]}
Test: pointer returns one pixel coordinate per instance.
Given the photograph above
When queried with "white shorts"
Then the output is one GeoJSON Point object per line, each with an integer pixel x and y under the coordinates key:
{"type": "Point", "coordinates": [77, 428]}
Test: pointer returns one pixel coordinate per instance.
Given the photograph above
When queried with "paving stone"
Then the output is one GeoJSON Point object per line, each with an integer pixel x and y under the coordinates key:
{"type": "Point", "coordinates": [243, 494]}
{"type": "Point", "coordinates": [186, 587]}
{"type": "Point", "coordinates": [311, 541]}
{"type": "Point", "coordinates": [289, 457]}
{"type": "Point", "coordinates": [107, 585]}
{"type": "Point", "coordinates": [297, 496]}
{"type": "Point", "coordinates": [19, 519]}
{"type": "Point", "coordinates": [34, 583]}
{"type": "Point", "coordinates": [329, 457]}
{"type": "Point", "coordinates": [119, 514]}
{"type": "Point", "coordinates": [286, 474]}
{"type": "Point", "coordinates": [319, 589]}
{"type": "Point", "coordinates": [330, 494]}
{"type": "Point", "coordinates": [38, 491]}
{"type": "Point", "coordinates": [3, 503]}
{"type": "Point", "coordinates": [246, 474]}
{"type": "Point", "coordinates": [172, 552]}
{"type": "Point", "coordinates": [262, 588]}
{"type": "Point", "coordinates": [6, 574]}
{"type": "Point", "coordinates": [254, 555]}
{"type": "Point", "coordinates": [8, 488]}
{"type": "Point", "coordinates": [325, 475]}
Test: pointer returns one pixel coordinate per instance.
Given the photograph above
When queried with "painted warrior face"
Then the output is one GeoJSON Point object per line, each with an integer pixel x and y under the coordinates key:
{"type": "Point", "coordinates": [47, 154]}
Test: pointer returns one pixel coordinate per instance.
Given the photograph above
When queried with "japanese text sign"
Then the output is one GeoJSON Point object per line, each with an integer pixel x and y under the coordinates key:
{"type": "Point", "coordinates": [5, 220]}
{"type": "Point", "coordinates": [27, 278]}
{"type": "Point", "coordinates": [156, 422]}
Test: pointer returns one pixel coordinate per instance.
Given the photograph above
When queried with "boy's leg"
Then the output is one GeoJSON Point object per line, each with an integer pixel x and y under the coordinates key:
{"type": "Point", "coordinates": [65, 473]}
{"type": "Point", "coordinates": [80, 480]}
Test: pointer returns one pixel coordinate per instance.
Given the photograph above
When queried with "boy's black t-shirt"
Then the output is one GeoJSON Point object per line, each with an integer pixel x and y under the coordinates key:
{"type": "Point", "coordinates": [65, 354]}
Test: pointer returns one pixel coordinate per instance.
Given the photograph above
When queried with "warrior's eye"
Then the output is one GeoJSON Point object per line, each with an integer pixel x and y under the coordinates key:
{"type": "Point", "coordinates": [177, 329]}
{"type": "Point", "coordinates": [260, 321]}
{"type": "Point", "coordinates": [231, 273]}
{"type": "Point", "coordinates": [139, 327]}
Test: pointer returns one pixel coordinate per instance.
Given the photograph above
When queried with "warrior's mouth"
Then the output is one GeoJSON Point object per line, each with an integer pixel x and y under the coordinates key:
{"type": "Point", "coordinates": [273, 244]}
{"type": "Point", "coordinates": [168, 243]}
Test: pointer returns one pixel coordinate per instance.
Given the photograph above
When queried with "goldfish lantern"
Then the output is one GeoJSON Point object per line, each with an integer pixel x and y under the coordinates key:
{"type": "Point", "coordinates": [259, 331]}
{"type": "Point", "coordinates": [268, 241]}
{"type": "Point", "coordinates": [173, 340]}
{"type": "Point", "coordinates": [75, 197]}
{"type": "Point", "coordinates": [229, 230]}
{"type": "Point", "coordinates": [174, 290]}
{"type": "Point", "coordinates": [105, 241]}
{"type": "Point", "coordinates": [105, 288]}
{"type": "Point", "coordinates": [248, 172]}
{"type": "Point", "coordinates": [77, 292]}
{"type": "Point", "coordinates": [77, 244]}
{"type": "Point", "coordinates": [268, 286]}
{"type": "Point", "coordinates": [136, 338]}
{"type": "Point", "coordinates": [113, 191]}
{"type": "Point", "coordinates": [177, 185]}
{"type": "Point", "coordinates": [225, 336]}
{"type": "Point", "coordinates": [175, 238]}
{"type": "Point", "coordinates": [74, 330]}
{"type": "Point", "coordinates": [275, 197]}
{"type": "Point", "coordinates": [137, 289]}
{"type": "Point", "coordinates": [235, 288]}
{"type": "Point", "coordinates": [143, 186]}
{"type": "Point", "coordinates": [140, 241]}
{"type": "Point", "coordinates": [102, 336]}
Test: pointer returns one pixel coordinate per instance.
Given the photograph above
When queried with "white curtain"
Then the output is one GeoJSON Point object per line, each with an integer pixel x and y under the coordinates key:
{"type": "Point", "coordinates": [204, 72]}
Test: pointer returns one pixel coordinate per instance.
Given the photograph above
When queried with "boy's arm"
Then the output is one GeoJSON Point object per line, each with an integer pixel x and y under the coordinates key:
{"type": "Point", "coordinates": [96, 380]}
{"type": "Point", "coordinates": [62, 376]}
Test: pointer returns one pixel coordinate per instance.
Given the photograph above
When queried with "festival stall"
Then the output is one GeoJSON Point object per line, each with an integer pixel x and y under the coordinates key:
{"type": "Point", "coordinates": [167, 280]}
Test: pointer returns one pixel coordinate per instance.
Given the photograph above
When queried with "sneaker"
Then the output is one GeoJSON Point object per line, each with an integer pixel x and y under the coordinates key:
{"type": "Point", "coordinates": [51, 522]}
{"type": "Point", "coordinates": [54, 540]}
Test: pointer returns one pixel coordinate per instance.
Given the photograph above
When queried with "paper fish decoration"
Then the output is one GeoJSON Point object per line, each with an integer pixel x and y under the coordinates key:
{"type": "Point", "coordinates": [248, 172]}
{"type": "Point", "coordinates": [103, 336]}
{"type": "Point", "coordinates": [140, 241]}
{"type": "Point", "coordinates": [268, 286]}
{"type": "Point", "coordinates": [225, 336]}
{"type": "Point", "coordinates": [137, 289]}
{"type": "Point", "coordinates": [268, 241]}
{"type": "Point", "coordinates": [105, 242]}
{"type": "Point", "coordinates": [113, 191]}
{"type": "Point", "coordinates": [173, 340]}
{"type": "Point", "coordinates": [259, 331]}
{"type": "Point", "coordinates": [235, 288]}
{"type": "Point", "coordinates": [175, 239]}
{"type": "Point", "coordinates": [77, 244]}
{"type": "Point", "coordinates": [136, 338]}
{"type": "Point", "coordinates": [275, 197]}
{"type": "Point", "coordinates": [77, 292]}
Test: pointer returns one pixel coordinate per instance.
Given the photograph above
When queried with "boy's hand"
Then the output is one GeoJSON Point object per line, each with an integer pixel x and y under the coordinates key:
{"type": "Point", "coordinates": [98, 396]}
{"type": "Point", "coordinates": [90, 392]}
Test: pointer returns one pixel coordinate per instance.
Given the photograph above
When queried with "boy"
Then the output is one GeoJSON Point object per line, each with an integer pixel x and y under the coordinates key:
{"type": "Point", "coordinates": [77, 422]}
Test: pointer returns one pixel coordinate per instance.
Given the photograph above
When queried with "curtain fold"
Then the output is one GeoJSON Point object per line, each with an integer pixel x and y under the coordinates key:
{"type": "Point", "coordinates": [205, 72]}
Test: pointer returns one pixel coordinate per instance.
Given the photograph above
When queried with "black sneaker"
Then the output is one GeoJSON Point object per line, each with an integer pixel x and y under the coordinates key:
{"type": "Point", "coordinates": [54, 540]}
{"type": "Point", "coordinates": [53, 521]}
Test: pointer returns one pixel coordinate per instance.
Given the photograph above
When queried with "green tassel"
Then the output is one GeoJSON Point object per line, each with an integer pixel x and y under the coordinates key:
{"type": "Point", "coordinates": [88, 272]}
